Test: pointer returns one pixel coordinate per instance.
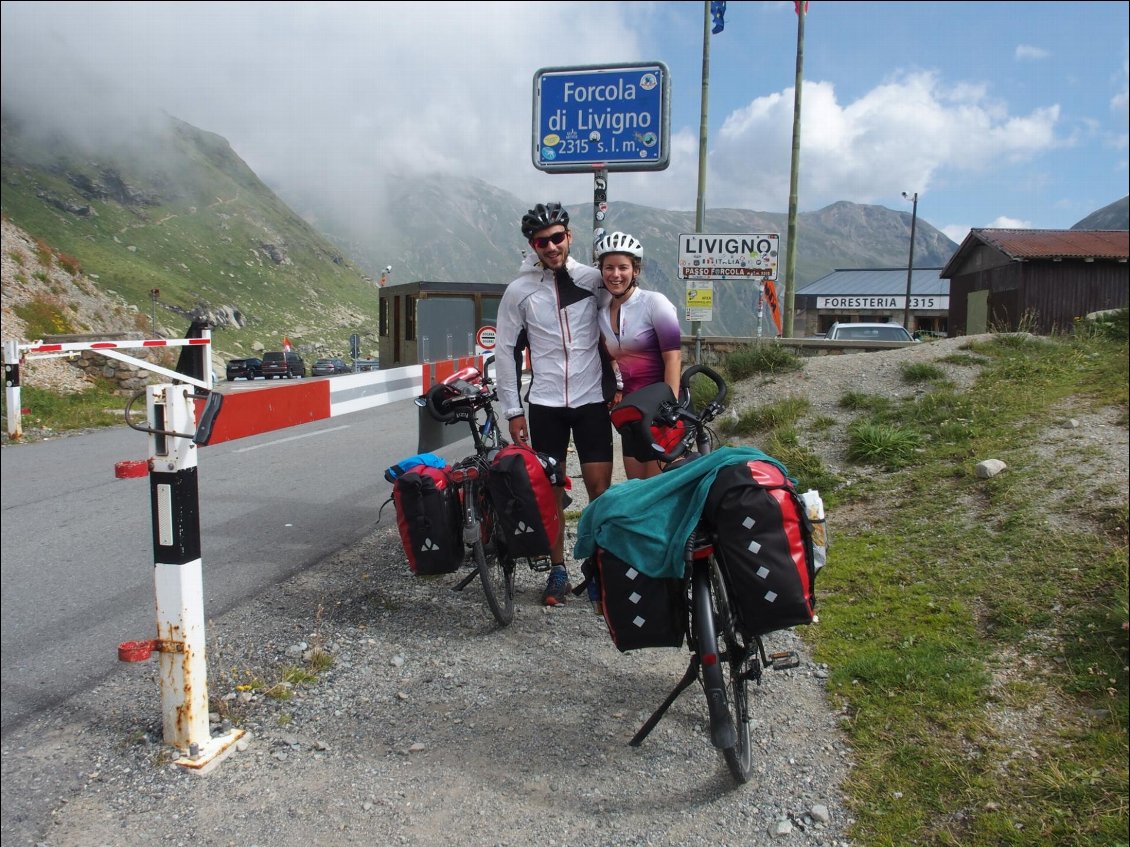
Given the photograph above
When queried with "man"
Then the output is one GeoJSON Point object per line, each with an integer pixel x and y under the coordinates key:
{"type": "Point", "coordinates": [551, 308]}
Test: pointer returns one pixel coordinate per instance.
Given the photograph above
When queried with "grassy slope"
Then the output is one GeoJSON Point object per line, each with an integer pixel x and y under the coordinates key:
{"type": "Point", "coordinates": [170, 242]}
{"type": "Point", "coordinates": [975, 628]}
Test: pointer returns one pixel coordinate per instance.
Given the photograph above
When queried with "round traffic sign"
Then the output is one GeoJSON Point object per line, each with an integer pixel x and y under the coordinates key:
{"type": "Point", "coordinates": [485, 337]}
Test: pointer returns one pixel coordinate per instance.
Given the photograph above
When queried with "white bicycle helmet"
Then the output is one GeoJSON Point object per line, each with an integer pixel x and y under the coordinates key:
{"type": "Point", "coordinates": [619, 242]}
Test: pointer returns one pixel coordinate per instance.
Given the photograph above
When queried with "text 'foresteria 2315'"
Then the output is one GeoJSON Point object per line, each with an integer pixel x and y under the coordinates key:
{"type": "Point", "coordinates": [592, 118]}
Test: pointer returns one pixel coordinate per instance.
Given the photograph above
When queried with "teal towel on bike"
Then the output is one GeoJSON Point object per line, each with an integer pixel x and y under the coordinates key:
{"type": "Point", "coordinates": [647, 521]}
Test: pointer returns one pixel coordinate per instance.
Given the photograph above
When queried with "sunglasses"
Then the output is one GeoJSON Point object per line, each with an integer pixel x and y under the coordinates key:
{"type": "Point", "coordinates": [545, 241]}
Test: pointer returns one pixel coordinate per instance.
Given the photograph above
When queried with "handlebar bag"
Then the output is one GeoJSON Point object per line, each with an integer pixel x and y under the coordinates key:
{"type": "Point", "coordinates": [640, 610]}
{"type": "Point", "coordinates": [633, 415]}
{"type": "Point", "coordinates": [763, 542]}
{"type": "Point", "coordinates": [429, 518]}
{"type": "Point", "coordinates": [521, 483]}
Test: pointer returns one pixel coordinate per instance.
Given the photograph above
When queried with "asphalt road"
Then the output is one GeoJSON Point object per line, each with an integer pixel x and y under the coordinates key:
{"type": "Point", "coordinates": [76, 544]}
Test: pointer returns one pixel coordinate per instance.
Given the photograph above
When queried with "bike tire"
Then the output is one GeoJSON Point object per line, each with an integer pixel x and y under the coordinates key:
{"type": "Point", "coordinates": [718, 678]}
{"type": "Point", "coordinates": [496, 573]}
{"type": "Point", "coordinates": [734, 663]}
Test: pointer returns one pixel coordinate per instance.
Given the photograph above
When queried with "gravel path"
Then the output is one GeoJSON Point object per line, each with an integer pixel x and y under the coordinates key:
{"type": "Point", "coordinates": [434, 727]}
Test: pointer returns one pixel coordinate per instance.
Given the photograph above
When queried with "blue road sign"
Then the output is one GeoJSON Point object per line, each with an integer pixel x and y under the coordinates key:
{"type": "Point", "coordinates": [593, 118]}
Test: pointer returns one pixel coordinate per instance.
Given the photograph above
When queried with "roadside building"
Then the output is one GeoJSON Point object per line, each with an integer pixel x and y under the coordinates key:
{"type": "Point", "coordinates": [1040, 280]}
{"type": "Point", "coordinates": [431, 321]}
{"type": "Point", "coordinates": [873, 295]}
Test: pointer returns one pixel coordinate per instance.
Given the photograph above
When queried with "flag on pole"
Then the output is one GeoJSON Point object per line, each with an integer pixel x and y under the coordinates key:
{"type": "Point", "coordinates": [286, 345]}
{"type": "Point", "coordinates": [774, 305]}
{"type": "Point", "coordinates": [796, 5]}
{"type": "Point", "coordinates": [717, 14]}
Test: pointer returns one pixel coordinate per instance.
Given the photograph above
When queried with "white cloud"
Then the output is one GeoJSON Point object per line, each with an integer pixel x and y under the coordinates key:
{"type": "Point", "coordinates": [1010, 223]}
{"type": "Point", "coordinates": [326, 99]}
{"type": "Point", "coordinates": [1026, 52]}
{"type": "Point", "coordinates": [956, 232]}
{"type": "Point", "coordinates": [900, 136]}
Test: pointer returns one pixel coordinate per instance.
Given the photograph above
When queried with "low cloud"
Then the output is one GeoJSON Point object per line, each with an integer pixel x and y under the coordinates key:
{"type": "Point", "coordinates": [1028, 53]}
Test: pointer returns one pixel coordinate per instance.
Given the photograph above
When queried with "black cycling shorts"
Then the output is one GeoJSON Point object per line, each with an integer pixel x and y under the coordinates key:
{"type": "Point", "coordinates": [551, 426]}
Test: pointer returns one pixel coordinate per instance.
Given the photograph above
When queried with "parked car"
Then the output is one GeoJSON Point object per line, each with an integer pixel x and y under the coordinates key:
{"type": "Point", "coordinates": [867, 332]}
{"type": "Point", "coordinates": [329, 367]}
{"type": "Point", "coordinates": [244, 368]}
{"type": "Point", "coordinates": [282, 365]}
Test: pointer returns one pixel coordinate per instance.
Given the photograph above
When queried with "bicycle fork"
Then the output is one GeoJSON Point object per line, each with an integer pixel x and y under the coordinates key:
{"type": "Point", "coordinates": [472, 523]}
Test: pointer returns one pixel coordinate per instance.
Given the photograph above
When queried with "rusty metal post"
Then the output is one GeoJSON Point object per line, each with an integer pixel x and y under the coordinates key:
{"type": "Point", "coordinates": [174, 498]}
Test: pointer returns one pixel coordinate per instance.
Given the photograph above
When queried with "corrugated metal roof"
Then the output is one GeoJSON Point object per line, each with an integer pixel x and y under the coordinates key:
{"type": "Point", "coordinates": [924, 282]}
{"type": "Point", "coordinates": [1058, 243]}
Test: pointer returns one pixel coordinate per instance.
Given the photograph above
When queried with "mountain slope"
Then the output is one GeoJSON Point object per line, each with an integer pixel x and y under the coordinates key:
{"type": "Point", "coordinates": [1114, 216]}
{"type": "Point", "coordinates": [178, 211]}
{"type": "Point", "coordinates": [452, 229]}
{"type": "Point", "coordinates": [175, 209]}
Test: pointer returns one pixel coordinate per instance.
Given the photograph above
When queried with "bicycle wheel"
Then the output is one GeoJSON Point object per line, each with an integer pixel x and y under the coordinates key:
{"type": "Point", "coordinates": [734, 663]}
{"type": "Point", "coordinates": [496, 571]}
{"type": "Point", "coordinates": [723, 686]}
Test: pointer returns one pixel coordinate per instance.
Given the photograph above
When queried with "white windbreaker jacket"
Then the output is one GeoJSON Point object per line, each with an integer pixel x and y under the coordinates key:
{"type": "Point", "coordinates": [563, 342]}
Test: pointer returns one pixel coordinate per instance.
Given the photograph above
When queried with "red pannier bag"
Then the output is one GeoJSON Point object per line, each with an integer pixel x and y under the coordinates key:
{"type": "Point", "coordinates": [521, 486]}
{"type": "Point", "coordinates": [430, 519]}
{"type": "Point", "coordinates": [763, 543]}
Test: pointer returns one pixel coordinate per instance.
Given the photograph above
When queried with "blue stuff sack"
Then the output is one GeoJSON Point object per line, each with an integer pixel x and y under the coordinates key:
{"type": "Point", "coordinates": [394, 472]}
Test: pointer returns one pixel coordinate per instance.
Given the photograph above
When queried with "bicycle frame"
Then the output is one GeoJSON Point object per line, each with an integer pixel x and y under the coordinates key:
{"type": "Point", "coordinates": [461, 398]}
{"type": "Point", "coordinates": [722, 659]}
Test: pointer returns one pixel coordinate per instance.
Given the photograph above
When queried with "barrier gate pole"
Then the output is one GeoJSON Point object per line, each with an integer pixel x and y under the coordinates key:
{"type": "Point", "coordinates": [175, 503]}
{"type": "Point", "coordinates": [12, 389]}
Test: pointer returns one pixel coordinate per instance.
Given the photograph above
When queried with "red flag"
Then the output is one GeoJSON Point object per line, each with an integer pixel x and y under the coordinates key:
{"type": "Point", "coordinates": [796, 5]}
{"type": "Point", "coordinates": [771, 296]}
{"type": "Point", "coordinates": [286, 345]}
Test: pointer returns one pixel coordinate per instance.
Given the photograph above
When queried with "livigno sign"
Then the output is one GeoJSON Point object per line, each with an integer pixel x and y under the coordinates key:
{"type": "Point", "coordinates": [611, 118]}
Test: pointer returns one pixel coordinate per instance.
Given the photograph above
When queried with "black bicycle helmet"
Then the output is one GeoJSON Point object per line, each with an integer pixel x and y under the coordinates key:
{"type": "Point", "coordinates": [435, 400]}
{"type": "Point", "coordinates": [543, 215]}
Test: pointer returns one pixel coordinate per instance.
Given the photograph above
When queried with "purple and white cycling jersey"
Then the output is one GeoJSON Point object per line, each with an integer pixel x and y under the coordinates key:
{"type": "Point", "coordinates": [649, 327]}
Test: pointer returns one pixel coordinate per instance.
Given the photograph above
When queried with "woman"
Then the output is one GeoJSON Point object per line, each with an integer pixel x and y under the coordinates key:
{"type": "Point", "coordinates": [640, 329]}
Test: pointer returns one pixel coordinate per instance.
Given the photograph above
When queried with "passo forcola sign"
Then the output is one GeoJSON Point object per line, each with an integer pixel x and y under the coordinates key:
{"type": "Point", "coordinates": [612, 118]}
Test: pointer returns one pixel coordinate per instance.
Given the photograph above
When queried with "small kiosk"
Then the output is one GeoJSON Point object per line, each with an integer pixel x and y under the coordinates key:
{"type": "Point", "coordinates": [431, 321]}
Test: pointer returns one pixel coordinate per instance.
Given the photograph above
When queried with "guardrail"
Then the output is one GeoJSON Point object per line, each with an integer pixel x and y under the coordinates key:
{"type": "Point", "coordinates": [714, 348]}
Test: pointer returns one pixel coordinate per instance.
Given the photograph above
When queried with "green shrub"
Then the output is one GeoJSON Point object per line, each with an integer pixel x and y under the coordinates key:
{"type": "Point", "coordinates": [44, 316]}
{"type": "Point", "coordinates": [766, 357]}
{"type": "Point", "coordinates": [888, 446]}
{"type": "Point", "coordinates": [781, 413]}
{"type": "Point", "coordinates": [921, 372]}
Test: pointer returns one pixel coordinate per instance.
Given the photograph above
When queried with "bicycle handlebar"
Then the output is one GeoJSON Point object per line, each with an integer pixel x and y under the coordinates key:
{"type": "Point", "coordinates": [670, 414]}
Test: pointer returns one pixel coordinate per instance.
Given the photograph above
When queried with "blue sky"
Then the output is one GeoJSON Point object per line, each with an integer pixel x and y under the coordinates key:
{"type": "Point", "coordinates": [997, 114]}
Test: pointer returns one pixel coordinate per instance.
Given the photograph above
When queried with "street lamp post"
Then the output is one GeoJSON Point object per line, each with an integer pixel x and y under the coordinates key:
{"type": "Point", "coordinates": [910, 261]}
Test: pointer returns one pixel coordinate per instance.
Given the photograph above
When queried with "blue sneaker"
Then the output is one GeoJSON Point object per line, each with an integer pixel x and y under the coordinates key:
{"type": "Point", "coordinates": [556, 587]}
{"type": "Point", "coordinates": [594, 597]}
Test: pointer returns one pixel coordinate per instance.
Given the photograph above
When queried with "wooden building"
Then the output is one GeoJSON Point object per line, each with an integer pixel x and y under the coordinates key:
{"type": "Point", "coordinates": [1037, 279]}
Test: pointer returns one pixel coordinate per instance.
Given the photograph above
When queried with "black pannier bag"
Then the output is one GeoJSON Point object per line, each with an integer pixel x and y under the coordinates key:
{"type": "Point", "coordinates": [640, 610]}
{"type": "Point", "coordinates": [521, 486]}
{"type": "Point", "coordinates": [763, 544]}
{"type": "Point", "coordinates": [430, 519]}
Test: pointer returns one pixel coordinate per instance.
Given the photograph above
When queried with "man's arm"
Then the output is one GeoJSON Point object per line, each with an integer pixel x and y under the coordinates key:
{"type": "Point", "coordinates": [510, 324]}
